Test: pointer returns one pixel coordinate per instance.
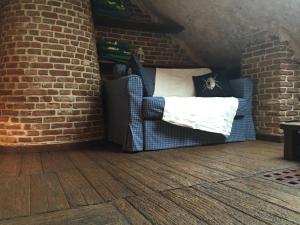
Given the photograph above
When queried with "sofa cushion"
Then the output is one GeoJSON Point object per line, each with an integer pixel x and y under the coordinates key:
{"type": "Point", "coordinates": [153, 108]}
{"type": "Point", "coordinates": [212, 85]}
{"type": "Point", "coordinates": [176, 82]}
{"type": "Point", "coordinates": [119, 71]}
{"type": "Point", "coordinates": [134, 67]}
{"type": "Point", "coordinates": [149, 80]}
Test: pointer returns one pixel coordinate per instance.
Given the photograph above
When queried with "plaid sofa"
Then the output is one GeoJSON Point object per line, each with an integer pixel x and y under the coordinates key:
{"type": "Point", "coordinates": [135, 122]}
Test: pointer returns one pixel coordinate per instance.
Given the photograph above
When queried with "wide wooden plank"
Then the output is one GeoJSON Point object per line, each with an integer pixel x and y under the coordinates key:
{"type": "Point", "coordinates": [188, 155]}
{"type": "Point", "coordinates": [56, 161]}
{"type": "Point", "coordinates": [31, 164]}
{"type": "Point", "coordinates": [104, 214]}
{"type": "Point", "coordinates": [10, 164]}
{"type": "Point", "coordinates": [130, 213]}
{"type": "Point", "coordinates": [277, 186]}
{"type": "Point", "coordinates": [46, 194]}
{"type": "Point", "coordinates": [250, 205]}
{"type": "Point", "coordinates": [272, 192]}
{"type": "Point", "coordinates": [263, 147]}
{"type": "Point", "coordinates": [267, 147]}
{"type": "Point", "coordinates": [147, 177]}
{"type": "Point", "coordinates": [259, 149]}
{"type": "Point", "coordinates": [106, 186]}
{"type": "Point", "coordinates": [255, 165]}
{"type": "Point", "coordinates": [207, 208]}
{"type": "Point", "coordinates": [221, 156]}
{"type": "Point", "coordinates": [160, 186]}
{"type": "Point", "coordinates": [127, 179]}
{"type": "Point", "coordinates": [14, 197]}
{"type": "Point", "coordinates": [77, 189]}
{"type": "Point", "coordinates": [159, 210]}
{"type": "Point", "coordinates": [165, 171]}
{"type": "Point", "coordinates": [202, 172]}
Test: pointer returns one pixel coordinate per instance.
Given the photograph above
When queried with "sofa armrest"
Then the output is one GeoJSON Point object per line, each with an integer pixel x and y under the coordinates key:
{"type": "Point", "coordinates": [242, 88]}
{"type": "Point", "coordinates": [123, 111]}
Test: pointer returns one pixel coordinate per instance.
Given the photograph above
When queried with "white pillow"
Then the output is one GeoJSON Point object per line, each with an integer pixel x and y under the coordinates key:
{"type": "Point", "coordinates": [177, 82]}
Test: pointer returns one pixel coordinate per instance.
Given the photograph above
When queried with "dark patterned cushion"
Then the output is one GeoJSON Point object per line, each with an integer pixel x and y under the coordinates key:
{"type": "Point", "coordinates": [119, 70]}
{"type": "Point", "coordinates": [212, 85]}
{"type": "Point", "coordinates": [147, 75]}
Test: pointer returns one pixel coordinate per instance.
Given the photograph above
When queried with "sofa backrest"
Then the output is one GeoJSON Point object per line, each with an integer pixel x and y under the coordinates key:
{"type": "Point", "coordinates": [176, 82]}
{"type": "Point", "coordinates": [166, 82]}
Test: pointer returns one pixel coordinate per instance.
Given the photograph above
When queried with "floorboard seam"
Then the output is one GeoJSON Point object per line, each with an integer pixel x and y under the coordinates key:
{"type": "Point", "coordinates": [87, 180]}
{"type": "Point", "coordinates": [63, 189]}
{"type": "Point", "coordinates": [211, 196]}
{"type": "Point", "coordinates": [215, 159]}
{"type": "Point", "coordinates": [201, 179]}
{"type": "Point", "coordinates": [257, 197]}
{"type": "Point", "coordinates": [160, 179]}
{"type": "Point", "coordinates": [125, 199]}
{"type": "Point", "coordinates": [153, 171]}
{"type": "Point", "coordinates": [183, 208]}
{"type": "Point", "coordinates": [110, 173]}
{"type": "Point", "coordinates": [124, 171]}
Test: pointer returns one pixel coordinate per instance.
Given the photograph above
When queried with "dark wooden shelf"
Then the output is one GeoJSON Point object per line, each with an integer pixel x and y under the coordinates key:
{"type": "Point", "coordinates": [109, 64]}
{"type": "Point", "coordinates": [162, 27]}
{"type": "Point", "coordinates": [104, 61]}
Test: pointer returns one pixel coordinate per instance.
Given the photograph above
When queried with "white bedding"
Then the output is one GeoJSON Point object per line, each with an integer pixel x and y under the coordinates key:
{"type": "Point", "coordinates": [214, 115]}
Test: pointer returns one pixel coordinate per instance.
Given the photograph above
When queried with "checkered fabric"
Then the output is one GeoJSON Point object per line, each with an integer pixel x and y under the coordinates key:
{"type": "Point", "coordinates": [127, 110]}
{"type": "Point", "coordinates": [162, 135]}
{"type": "Point", "coordinates": [153, 108]}
{"type": "Point", "coordinates": [123, 106]}
{"type": "Point", "coordinates": [242, 129]}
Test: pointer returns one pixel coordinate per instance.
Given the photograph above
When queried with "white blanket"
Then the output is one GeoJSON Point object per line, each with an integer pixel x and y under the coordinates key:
{"type": "Point", "coordinates": [214, 115]}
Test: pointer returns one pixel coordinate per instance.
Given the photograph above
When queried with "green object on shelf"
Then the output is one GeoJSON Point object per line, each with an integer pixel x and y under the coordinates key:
{"type": "Point", "coordinates": [114, 51]}
{"type": "Point", "coordinates": [117, 5]}
{"type": "Point", "coordinates": [117, 59]}
{"type": "Point", "coordinates": [110, 8]}
{"type": "Point", "coordinates": [119, 45]}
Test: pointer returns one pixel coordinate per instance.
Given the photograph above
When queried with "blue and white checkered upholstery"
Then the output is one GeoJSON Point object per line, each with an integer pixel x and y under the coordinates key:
{"type": "Point", "coordinates": [162, 135]}
{"type": "Point", "coordinates": [135, 122]}
{"type": "Point", "coordinates": [153, 108]}
{"type": "Point", "coordinates": [123, 106]}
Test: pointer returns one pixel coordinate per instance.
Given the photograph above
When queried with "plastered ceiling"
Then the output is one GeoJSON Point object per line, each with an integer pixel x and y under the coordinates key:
{"type": "Point", "coordinates": [215, 29]}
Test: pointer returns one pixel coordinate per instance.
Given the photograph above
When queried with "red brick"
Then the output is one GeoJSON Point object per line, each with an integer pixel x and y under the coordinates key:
{"type": "Point", "coordinates": [42, 65]}
{"type": "Point", "coordinates": [50, 15]}
{"type": "Point", "coordinates": [43, 113]}
{"type": "Point", "coordinates": [46, 71]}
{"type": "Point", "coordinates": [54, 119]}
{"type": "Point", "coordinates": [276, 89]}
{"type": "Point", "coordinates": [51, 132]}
{"type": "Point", "coordinates": [59, 73]}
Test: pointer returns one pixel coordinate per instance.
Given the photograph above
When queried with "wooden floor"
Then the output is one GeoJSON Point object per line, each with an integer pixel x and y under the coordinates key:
{"type": "Point", "coordinates": [220, 184]}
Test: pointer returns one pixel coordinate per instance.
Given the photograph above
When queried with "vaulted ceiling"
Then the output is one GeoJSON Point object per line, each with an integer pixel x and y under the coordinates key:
{"type": "Point", "coordinates": [215, 29]}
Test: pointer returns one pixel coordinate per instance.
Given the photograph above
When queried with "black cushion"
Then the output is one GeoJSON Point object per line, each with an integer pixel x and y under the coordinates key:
{"type": "Point", "coordinates": [119, 70]}
{"type": "Point", "coordinates": [214, 84]}
{"type": "Point", "coordinates": [134, 67]}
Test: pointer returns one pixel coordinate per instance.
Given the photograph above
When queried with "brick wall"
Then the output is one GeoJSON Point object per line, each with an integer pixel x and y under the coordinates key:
{"type": "Point", "coordinates": [160, 49]}
{"type": "Point", "coordinates": [49, 77]}
{"type": "Point", "coordinates": [270, 63]}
